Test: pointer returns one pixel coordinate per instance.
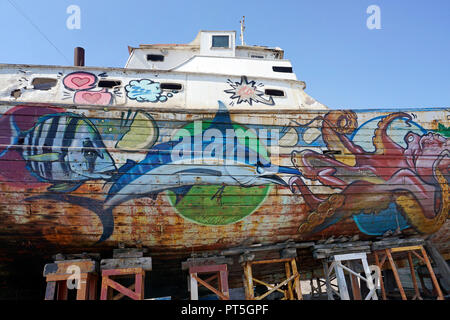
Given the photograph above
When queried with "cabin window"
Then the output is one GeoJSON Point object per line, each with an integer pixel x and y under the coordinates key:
{"type": "Point", "coordinates": [16, 93]}
{"type": "Point", "coordinates": [43, 83]}
{"type": "Point", "coordinates": [109, 83]}
{"type": "Point", "coordinates": [254, 56]}
{"type": "Point", "coordinates": [282, 69]}
{"type": "Point", "coordinates": [155, 57]}
{"type": "Point", "coordinates": [274, 92]}
{"type": "Point", "coordinates": [220, 41]}
{"type": "Point", "coordinates": [171, 86]}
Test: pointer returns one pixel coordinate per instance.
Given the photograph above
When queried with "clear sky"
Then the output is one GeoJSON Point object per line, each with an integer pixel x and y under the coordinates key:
{"type": "Point", "coordinates": [406, 63]}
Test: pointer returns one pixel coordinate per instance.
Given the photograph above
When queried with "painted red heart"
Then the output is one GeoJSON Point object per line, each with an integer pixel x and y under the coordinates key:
{"type": "Point", "coordinates": [79, 82]}
{"type": "Point", "coordinates": [92, 97]}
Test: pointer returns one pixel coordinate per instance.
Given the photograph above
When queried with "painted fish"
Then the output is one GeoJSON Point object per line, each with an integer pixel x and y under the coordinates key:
{"type": "Point", "coordinates": [64, 149]}
{"type": "Point", "coordinates": [161, 171]}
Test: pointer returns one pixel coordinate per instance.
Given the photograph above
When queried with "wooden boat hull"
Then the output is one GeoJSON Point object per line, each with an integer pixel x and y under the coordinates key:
{"type": "Point", "coordinates": [324, 173]}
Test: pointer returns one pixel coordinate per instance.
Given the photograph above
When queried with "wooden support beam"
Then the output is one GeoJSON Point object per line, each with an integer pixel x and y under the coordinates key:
{"type": "Point", "coordinates": [380, 266]}
{"type": "Point", "coordinates": [396, 243]}
{"type": "Point", "coordinates": [223, 283]}
{"type": "Point", "coordinates": [396, 276]}
{"type": "Point", "coordinates": [356, 291]}
{"type": "Point", "coordinates": [208, 268]}
{"type": "Point", "coordinates": [289, 292]}
{"type": "Point", "coordinates": [63, 267]}
{"type": "Point", "coordinates": [413, 277]}
{"type": "Point", "coordinates": [62, 290]}
{"type": "Point", "coordinates": [144, 263]}
{"type": "Point", "coordinates": [194, 286]}
{"type": "Point", "coordinates": [408, 248]}
{"type": "Point", "coordinates": [419, 257]}
{"type": "Point", "coordinates": [297, 285]}
{"type": "Point", "coordinates": [211, 288]}
{"type": "Point", "coordinates": [82, 291]}
{"type": "Point", "coordinates": [127, 253]}
{"type": "Point", "coordinates": [271, 261]}
{"type": "Point", "coordinates": [93, 287]}
{"type": "Point", "coordinates": [213, 277]}
{"type": "Point", "coordinates": [432, 275]}
{"type": "Point", "coordinates": [249, 281]}
{"type": "Point", "coordinates": [120, 295]}
{"type": "Point", "coordinates": [50, 290]}
{"type": "Point", "coordinates": [276, 287]}
{"type": "Point", "coordinates": [109, 283]}
{"type": "Point", "coordinates": [204, 261]}
{"type": "Point", "coordinates": [292, 281]}
{"type": "Point", "coordinates": [139, 287]}
{"type": "Point", "coordinates": [124, 290]}
{"type": "Point", "coordinates": [325, 251]}
{"type": "Point", "coordinates": [275, 247]}
{"type": "Point", "coordinates": [343, 291]}
{"type": "Point", "coordinates": [327, 272]}
{"type": "Point", "coordinates": [270, 286]}
{"type": "Point", "coordinates": [411, 250]}
{"type": "Point", "coordinates": [58, 273]}
{"type": "Point", "coordinates": [104, 289]}
{"type": "Point", "coordinates": [220, 273]}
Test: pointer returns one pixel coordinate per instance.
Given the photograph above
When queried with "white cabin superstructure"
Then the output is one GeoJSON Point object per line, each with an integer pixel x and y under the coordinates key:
{"type": "Point", "coordinates": [213, 52]}
{"type": "Point", "coordinates": [194, 75]}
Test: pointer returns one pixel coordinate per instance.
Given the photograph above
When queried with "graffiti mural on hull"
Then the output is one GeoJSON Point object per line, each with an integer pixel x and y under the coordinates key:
{"type": "Point", "coordinates": [388, 173]}
{"type": "Point", "coordinates": [405, 177]}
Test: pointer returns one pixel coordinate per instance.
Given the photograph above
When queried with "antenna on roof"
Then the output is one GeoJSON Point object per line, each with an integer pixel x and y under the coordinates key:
{"type": "Point", "coordinates": [242, 30]}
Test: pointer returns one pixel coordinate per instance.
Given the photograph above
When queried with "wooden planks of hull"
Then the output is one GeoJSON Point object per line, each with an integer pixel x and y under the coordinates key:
{"type": "Point", "coordinates": [212, 180]}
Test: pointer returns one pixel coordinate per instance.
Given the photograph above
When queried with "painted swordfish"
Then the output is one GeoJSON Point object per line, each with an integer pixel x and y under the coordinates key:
{"type": "Point", "coordinates": [209, 162]}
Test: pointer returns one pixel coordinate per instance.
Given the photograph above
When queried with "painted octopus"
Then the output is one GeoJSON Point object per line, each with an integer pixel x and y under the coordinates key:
{"type": "Point", "coordinates": [415, 178]}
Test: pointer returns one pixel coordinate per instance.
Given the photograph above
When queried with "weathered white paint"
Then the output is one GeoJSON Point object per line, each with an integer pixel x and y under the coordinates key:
{"type": "Point", "coordinates": [199, 56]}
{"type": "Point", "coordinates": [200, 90]}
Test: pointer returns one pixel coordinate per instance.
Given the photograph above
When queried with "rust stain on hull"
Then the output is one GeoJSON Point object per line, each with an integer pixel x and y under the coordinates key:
{"type": "Point", "coordinates": [72, 179]}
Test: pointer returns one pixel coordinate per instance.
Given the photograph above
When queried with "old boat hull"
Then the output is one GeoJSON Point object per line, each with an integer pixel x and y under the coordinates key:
{"type": "Point", "coordinates": [139, 205]}
{"type": "Point", "coordinates": [92, 169]}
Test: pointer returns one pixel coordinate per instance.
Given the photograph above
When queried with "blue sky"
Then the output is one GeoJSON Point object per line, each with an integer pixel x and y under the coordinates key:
{"type": "Point", "coordinates": [344, 64]}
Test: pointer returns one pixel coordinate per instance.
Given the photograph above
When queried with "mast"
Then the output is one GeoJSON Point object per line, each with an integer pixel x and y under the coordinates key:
{"type": "Point", "coordinates": [242, 30]}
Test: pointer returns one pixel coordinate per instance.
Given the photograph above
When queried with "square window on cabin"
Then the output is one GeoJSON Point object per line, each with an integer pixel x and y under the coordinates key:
{"type": "Point", "coordinates": [220, 41]}
{"type": "Point", "coordinates": [155, 57]}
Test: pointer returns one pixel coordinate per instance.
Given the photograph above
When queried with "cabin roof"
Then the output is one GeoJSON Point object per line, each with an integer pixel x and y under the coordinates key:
{"type": "Point", "coordinates": [195, 44]}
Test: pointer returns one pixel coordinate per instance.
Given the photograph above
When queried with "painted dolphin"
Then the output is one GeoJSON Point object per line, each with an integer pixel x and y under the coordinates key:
{"type": "Point", "coordinates": [163, 170]}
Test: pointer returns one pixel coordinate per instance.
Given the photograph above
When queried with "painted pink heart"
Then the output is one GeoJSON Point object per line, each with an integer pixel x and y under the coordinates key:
{"type": "Point", "coordinates": [80, 82]}
{"type": "Point", "coordinates": [91, 97]}
{"type": "Point", "coordinates": [94, 97]}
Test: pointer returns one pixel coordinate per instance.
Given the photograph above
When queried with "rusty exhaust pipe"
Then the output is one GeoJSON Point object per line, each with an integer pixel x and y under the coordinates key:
{"type": "Point", "coordinates": [78, 57]}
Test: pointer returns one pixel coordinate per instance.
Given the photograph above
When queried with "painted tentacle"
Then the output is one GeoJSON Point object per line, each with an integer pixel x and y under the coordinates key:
{"type": "Point", "coordinates": [311, 199]}
{"type": "Point", "coordinates": [315, 166]}
{"type": "Point", "coordinates": [415, 213]}
{"type": "Point", "coordinates": [336, 125]}
{"type": "Point", "coordinates": [381, 140]}
{"type": "Point", "coordinates": [325, 211]}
